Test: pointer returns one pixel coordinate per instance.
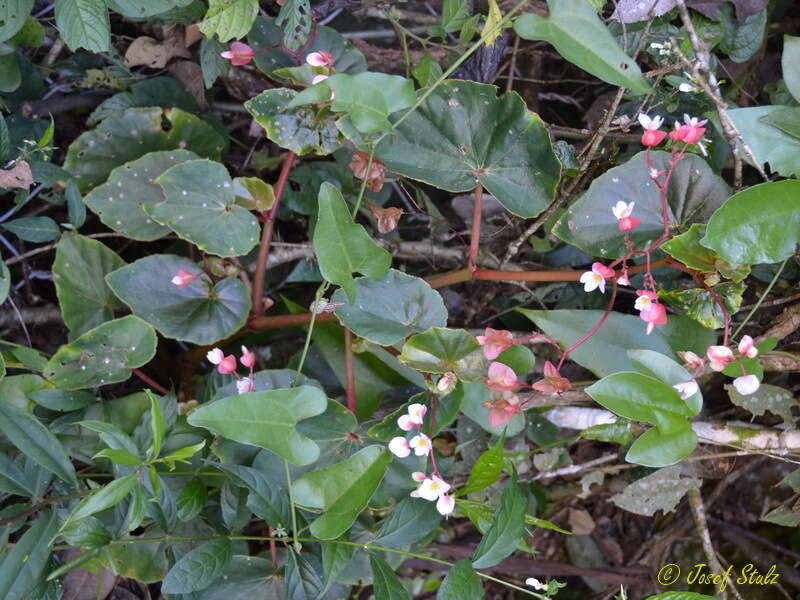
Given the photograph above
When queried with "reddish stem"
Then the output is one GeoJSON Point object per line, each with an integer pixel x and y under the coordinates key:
{"type": "Point", "coordinates": [726, 318]}
{"type": "Point", "coordinates": [475, 232]}
{"type": "Point", "coordinates": [266, 237]}
{"type": "Point", "coordinates": [349, 371]}
{"type": "Point", "coordinates": [593, 330]}
{"type": "Point", "coordinates": [152, 383]}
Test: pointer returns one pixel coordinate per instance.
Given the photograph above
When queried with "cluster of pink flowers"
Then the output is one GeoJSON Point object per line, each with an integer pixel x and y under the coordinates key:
{"type": "Point", "coordinates": [719, 357]}
{"type": "Point", "coordinates": [226, 365]}
{"type": "Point", "coordinates": [690, 132]}
{"type": "Point", "coordinates": [241, 54]}
{"type": "Point", "coordinates": [431, 488]}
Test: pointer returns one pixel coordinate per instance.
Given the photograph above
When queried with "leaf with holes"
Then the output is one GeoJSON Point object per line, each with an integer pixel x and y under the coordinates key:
{"type": "Point", "coordinates": [201, 207]}
{"type": "Point", "coordinates": [201, 313]}
{"type": "Point", "coordinates": [132, 133]}
{"type": "Point", "coordinates": [694, 193]}
{"type": "Point", "coordinates": [301, 129]}
{"type": "Point", "coordinates": [295, 19]}
{"type": "Point", "coordinates": [79, 271]}
{"type": "Point", "coordinates": [130, 187]}
{"type": "Point", "coordinates": [103, 355]}
{"type": "Point", "coordinates": [462, 121]}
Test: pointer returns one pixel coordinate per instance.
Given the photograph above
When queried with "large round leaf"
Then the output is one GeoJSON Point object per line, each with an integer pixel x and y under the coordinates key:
{"type": "Point", "coordinates": [267, 420]}
{"type": "Point", "coordinates": [440, 350]}
{"type": "Point", "coordinates": [103, 355]}
{"type": "Point", "coordinates": [694, 193]}
{"type": "Point", "coordinates": [202, 312]}
{"type": "Point", "coordinates": [390, 309]}
{"type": "Point", "coordinates": [769, 143]}
{"type": "Point", "coordinates": [201, 207]}
{"type": "Point", "coordinates": [758, 225]}
{"type": "Point", "coordinates": [119, 202]}
{"type": "Point", "coordinates": [129, 134]}
{"type": "Point", "coordinates": [464, 133]}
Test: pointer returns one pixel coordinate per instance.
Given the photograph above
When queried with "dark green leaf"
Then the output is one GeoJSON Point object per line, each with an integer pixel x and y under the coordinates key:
{"type": "Point", "coordinates": [62, 400]}
{"type": "Point", "coordinates": [12, 18]}
{"type": "Point", "coordinates": [386, 585]}
{"type": "Point", "coordinates": [302, 580]}
{"type": "Point", "coordinates": [191, 500]}
{"type": "Point", "coordinates": [33, 229]}
{"type": "Point", "coordinates": [12, 479]}
{"type": "Point", "coordinates": [441, 350]}
{"type": "Point", "coordinates": [267, 501]}
{"type": "Point", "coordinates": [509, 525]}
{"type": "Point", "coordinates": [295, 19]}
{"type": "Point", "coordinates": [213, 65]}
{"type": "Point", "coordinates": [23, 567]}
{"type": "Point", "coordinates": [75, 207]}
{"type": "Point", "coordinates": [409, 522]}
{"type": "Point", "coordinates": [790, 63]}
{"type": "Point", "coordinates": [657, 449]}
{"type": "Point", "coordinates": [104, 498]}
{"type": "Point", "coordinates": [84, 24]}
{"type": "Point", "coordinates": [197, 569]}
{"type": "Point", "coordinates": [769, 144]}
{"type": "Point", "coordinates": [461, 583]}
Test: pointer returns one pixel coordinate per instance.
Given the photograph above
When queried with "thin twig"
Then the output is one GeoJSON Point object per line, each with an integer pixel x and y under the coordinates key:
{"type": "Point", "coordinates": [475, 231]}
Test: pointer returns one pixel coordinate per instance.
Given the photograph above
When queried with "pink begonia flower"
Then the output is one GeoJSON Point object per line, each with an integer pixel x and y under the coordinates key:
{"type": "Point", "coordinates": [418, 476]}
{"type": "Point", "coordinates": [501, 378]}
{"type": "Point", "coordinates": [239, 54]}
{"type": "Point", "coordinates": [431, 488]}
{"type": "Point", "coordinates": [687, 389]}
{"type": "Point", "coordinates": [623, 279]}
{"type": "Point", "coordinates": [644, 300]}
{"type": "Point", "coordinates": [628, 223]}
{"type": "Point", "coordinates": [747, 347]}
{"type": "Point", "coordinates": [719, 357]}
{"type": "Point", "coordinates": [248, 358]}
{"type": "Point", "coordinates": [215, 356]}
{"type": "Point", "coordinates": [320, 59]}
{"type": "Point", "coordinates": [656, 314]}
{"type": "Point", "coordinates": [746, 384]}
{"type": "Point", "coordinates": [414, 417]}
{"type": "Point", "coordinates": [183, 278]}
{"type": "Point", "coordinates": [622, 209]}
{"type": "Point", "coordinates": [244, 385]}
{"type": "Point", "coordinates": [421, 444]}
{"type": "Point", "coordinates": [447, 383]}
{"type": "Point", "coordinates": [690, 131]}
{"type": "Point", "coordinates": [494, 341]}
{"type": "Point", "coordinates": [318, 78]}
{"type": "Point", "coordinates": [445, 504]}
{"type": "Point", "coordinates": [652, 135]}
{"type": "Point", "coordinates": [227, 365]}
{"type": "Point", "coordinates": [399, 447]}
{"type": "Point", "coordinates": [691, 360]}
{"type": "Point", "coordinates": [553, 382]}
{"type": "Point", "coordinates": [596, 278]}
{"type": "Point", "coordinates": [503, 408]}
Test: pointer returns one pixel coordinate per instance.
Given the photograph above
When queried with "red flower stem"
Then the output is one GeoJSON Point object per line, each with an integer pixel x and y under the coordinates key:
{"type": "Point", "coordinates": [152, 383]}
{"type": "Point", "coordinates": [726, 318]}
{"type": "Point", "coordinates": [593, 330]}
{"type": "Point", "coordinates": [266, 237]}
{"type": "Point", "coordinates": [349, 371]}
{"type": "Point", "coordinates": [475, 233]}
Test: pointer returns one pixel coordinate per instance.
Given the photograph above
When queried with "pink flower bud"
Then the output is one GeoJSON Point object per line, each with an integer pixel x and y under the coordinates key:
{"type": "Point", "coordinates": [445, 504]}
{"type": "Point", "coordinates": [320, 59]}
{"type": "Point", "coordinates": [719, 357]}
{"type": "Point", "coordinates": [628, 223]}
{"type": "Point", "coordinates": [494, 342]}
{"type": "Point", "coordinates": [653, 137]}
{"type": "Point", "coordinates": [215, 356]}
{"type": "Point", "coordinates": [227, 365]}
{"type": "Point", "coordinates": [399, 447]}
{"type": "Point", "coordinates": [501, 377]}
{"type": "Point", "coordinates": [239, 54]}
{"type": "Point", "coordinates": [747, 347]}
{"type": "Point", "coordinates": [248, 358]}
{"type": "Point", "coordinates": [183, 278]}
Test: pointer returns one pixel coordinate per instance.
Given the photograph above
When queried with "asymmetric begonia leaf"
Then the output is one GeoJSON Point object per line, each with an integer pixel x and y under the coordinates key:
{"type": "Point", "coordinates": [440, 350]}
{"type": "Point", "coordinates": [202, 312]}
{"type": "Point", "coordinates": [655, 364]}
{"type": "Point", "coordinates": [769, 144]}
{"type": "Point", "coordinates": [687, 248]}
{"type": "Point", "coordinates": [655, 448]}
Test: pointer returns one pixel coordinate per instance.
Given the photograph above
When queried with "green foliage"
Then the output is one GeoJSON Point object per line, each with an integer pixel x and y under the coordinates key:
{"type": "Point", "coordinates": [229, 19]}
{"type": "Point", "coordinates": [24, 565]}
{"type": "Point", "coordinates": [506, 530]}
{"type": "Point", "coordinates": [441, 350]}
{"type": "Point", "coordinates": [769, 144]}
{"type": "Point", "coordinates": [12, 18]}
{"type": "Point", "coordinates": [295, 19]}
{"type": "Point", "coordinates": [198, 569]}
{"type": "Point", "coordinates": [461, 583]}
{"type": "Point", "coordinates": [84, 24]}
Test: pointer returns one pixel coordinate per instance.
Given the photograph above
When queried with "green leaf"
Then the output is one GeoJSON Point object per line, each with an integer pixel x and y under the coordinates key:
{"type": "Point", "coordinates": [33, 229]}
{"type": "Point", "coordinates": [13, 479]}
{"type": "Point", "coordinates": [768, 144]}
{"type": "Point", "coordinates": [5, 140]}
{"type": "Point", "coordinates": [769, 234]}
{"type": "Point", "coordinates": [501, 539]}
{"type": "Point", "coordinates": [579, 35]}
{"type": "Point", "coordinates": [132, 133]}
{"type": "Point", "coordinates": [743, 39]}
{"type": "Point", "coordinates": [158, 426]}
{"type": "Point", "coordinates": [694, 193]}
{"type": "Point", "coordinates": [103, 355]}
{"type": "Point", "coordinates": [785, 119]}
{"type": "Point", "coordinates": [461, 145]}
{"type": "Point", "coordinates": [34, 440]}
{"type": "Point", "coordinates": [342, 490]}
{"type": "Point", "coordinates": [201, 313]}
{"type": "Point", "coordinates": [655, 364]}
{"type": "Point", "coordinates": [657, 449]}
{"type": "Point", "coordinates": [10, 74]}
{"type": "Point", "coordinates": [267, 501]}
{"type": "Point", "coordinates": [191, 500]}
{"type": "Point", "coordinates": [641, 398]}
{"type": "Point", "coordinates": [605, 352]}
{"type": "Point", "coordinates": [410, 521]}
{"type": "Point", "coordinates": [201, 207]}
{"type": "Point", "coordinates": [141, 9]}
{"type": "Point", "coordinates": [104, 498]}
{"type": "Point", "coordinates": [386, 585]}
{"type": "Point", "coordinates": [181, 454]}
{"type": "Point", "coordinates": [145, 562]}
{"type": "Point", "coordinates": [790, 63]}
{"type": "Point", "coordinates": [198, 568]}
{"type": "Point", "coordinates": [486, 470]}
{"type": "Point", "coordinates": [23, 567]}
{"type": "Point", "coordinates": [84, 24]}
{"type": "Point", "coordinates": [295, 19]}
{"type": "Point", "coordinates": [767, 397]}
{"type": "Point", "coordinates": [301, 130]}
{"type": "Point", "coordinates": [212, 64]}
{"type": "Point", "coordinates": [660, 490]}
{"type": "Point", "coordinates": [119, 202]}
{"type": "Point", "coordinates": [686, 248]}
{"type": "Point", "coordinates": [75, 207]}
{"type": "Point", "coordinates": [700, 305]}
{"type": "Point", "coordinates": [335, 558]}
{"type": "Point", "coordinates": [13, 14]}
{"type": "Point", "coordinates": [62, 400]}
{"type": "Point", "coordinates": [119, 457]}
{"type": "Point", "coordinates": [461, 583]}
{"type": "Point", "coordinates": [79, 269]}
{"type": "Point", "coordinates": [343, 247]}
{"type": "Point", "coordinates": [302, 580]}
{"type": "Point", "coordinates": [391, 308]}
{"type": "Point", "coordinates": [267, 420]}
{"type": "Point", "coordinates": [440, 350]}
{"type": "Point", "coordinates": [427, 71]}
{"type": "Point", "coordinates": [229, 19]}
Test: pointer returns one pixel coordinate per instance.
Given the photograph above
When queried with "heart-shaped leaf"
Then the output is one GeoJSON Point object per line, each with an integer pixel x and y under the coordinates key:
{"type": "Point", "coordinates": [686, 248]}
{"type": "Point", "coordinates": [201, 312]}
{"type": "Point", "coordinates": [654, 448]}
{"type": "Point", "coordinates": [768, 143]}
{"type": "Point", "coordinates": [461, 145]}
{"type": "Point", "coordinates": [79, 269]}
{"type": "Point", "coordinates": [103, 355]}
{"type": "Point", "coordinates": [132, 133]}
{"type": "Point", "coordinates": [267, 420]}
{"type": "Point", "coordinates": [390, 309]}
{"type": "Point", "coordinates": [119, 202]}
{"type": "Point", "coordinates": [300, 129]}
{"type": "Point", "coordinates": [343, 247]}
{"type": "Point", "coordinates": [758, 225]}
{"type": "Point", "coordinates": [201, 207]}
{"type": "Point", "coordinates": [700, 305]}
{"type": "Point", "coordinates": [694, 193]}
{"type": "Point", "coordinates": [342, 490]}
{"type": "Point", "coordinates": [655, 364]}
{"type": "Point", "coordinates": [440, 350]}
{"type": "Point", "coordinates": [579, 35]}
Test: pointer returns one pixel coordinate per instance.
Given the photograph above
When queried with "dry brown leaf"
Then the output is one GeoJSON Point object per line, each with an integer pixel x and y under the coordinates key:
{"type": "Point", "coordinates": [387, 217]}
{"type": "Point", "coordinates": [580, 522]}
{"type": "Point", "coordinates": [19, 176]}
{"type": "Point", "coordinates": [377, 170]}
{"type": "Point", "coordinates": [191, 76]}
{"type": "Point", "coordinates": [149, 52]}
{"type": "Point", "coordinates": [192, 35]}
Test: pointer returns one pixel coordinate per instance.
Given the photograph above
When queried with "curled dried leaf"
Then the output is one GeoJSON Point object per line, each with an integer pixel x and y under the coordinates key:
{"type": "Point", "coordinates": [377, 170]}
{"type": "Point", "coordinates": [387, 217]}
{"type": "Point", "coordinates": [18, 176]}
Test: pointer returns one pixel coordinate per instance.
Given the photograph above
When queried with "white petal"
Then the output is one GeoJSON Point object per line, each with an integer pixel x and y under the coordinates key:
{"type": "Point", "coordinates": [746, 384]}
{"type": "Point", "coordinates": [399, 447]}
{"type": "Point", "coordinates": [445, 504]}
